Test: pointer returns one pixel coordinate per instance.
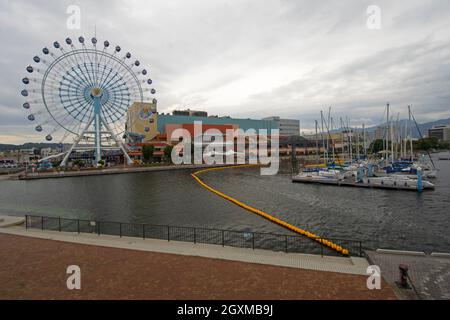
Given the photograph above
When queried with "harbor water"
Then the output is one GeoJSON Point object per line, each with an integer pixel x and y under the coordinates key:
{"type": "Point", "coordinates": [380, 218]}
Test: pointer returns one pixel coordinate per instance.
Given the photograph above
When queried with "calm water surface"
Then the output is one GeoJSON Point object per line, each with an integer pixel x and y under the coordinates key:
{"type": "Point", "coordinates": [381, 218]}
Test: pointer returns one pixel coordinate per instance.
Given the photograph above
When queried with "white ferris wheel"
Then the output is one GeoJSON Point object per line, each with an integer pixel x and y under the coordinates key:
{"type": "Point", "coordinates": [84, 92]}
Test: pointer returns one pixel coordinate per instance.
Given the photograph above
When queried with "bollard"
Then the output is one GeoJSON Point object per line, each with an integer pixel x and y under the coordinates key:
{"type": "Point", "coordinates": [403, 281]}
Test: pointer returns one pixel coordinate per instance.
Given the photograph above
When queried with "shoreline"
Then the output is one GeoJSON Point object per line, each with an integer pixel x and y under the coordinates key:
{"type": "Point", "coordinates": [99, 172]}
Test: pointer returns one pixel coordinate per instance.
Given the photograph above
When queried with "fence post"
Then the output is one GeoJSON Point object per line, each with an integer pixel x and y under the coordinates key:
{"type": "Point", "coordinates": [253, 240]}
{"type": "Point", "coordinates": [195, 237]}
{"type": "Point", "coordinates": [223, 239]}
{"type": "Point", "coordinates": [42, 223]}
{"type": "Point", "coordinates": [59, 224]}
{"type": "Point", "coordinates": [98, 227]}
{"type": "Point", "coordinates": [321, 248]}
{"type": "Point", "coordinates": [143, 231]}
{"type": "Point", "coordinates": [360, 249]}
{"type": "Point", "coordinates": [285, 244]}
{"type": "Point", "coordinates": [26, 221]}
{"type": "Point", "coordinates": [78, 226]}
{"type": "Point", "coordinates": [168, 233]}
{"type": "Point", "coordinates": [120, 229]}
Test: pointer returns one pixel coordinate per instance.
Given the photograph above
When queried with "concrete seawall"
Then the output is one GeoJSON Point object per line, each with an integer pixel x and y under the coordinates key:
{"type": "Point", "coordinates": [84, 173]}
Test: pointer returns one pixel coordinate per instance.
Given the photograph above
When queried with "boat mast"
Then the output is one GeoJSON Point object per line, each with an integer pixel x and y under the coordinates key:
{"type": "Point", "coordinates": [343, 139]}
{"type": "Point", "coordinates": [410, 135]}
{"type": "Point", "coordinates": [405, 141]}
{"type": "Point", "coordinates": [364, 140]}
{"type": "Point", "coordinates": [328, 125]}
{"type": "Point", "coordinates": [398, 137]}
{"type": "Point", "coordinates": [317, 143]}
{"type": "Point", "coordinates": [350, 140]}
{"type": "Point", "coordinates": [325, 152]}
{"type": "Point", "coordinates": [357, 143]}
{"type": "Point", "coordinates": [392, 141]}
{"type": "Point", "coordinates": [387, 135]}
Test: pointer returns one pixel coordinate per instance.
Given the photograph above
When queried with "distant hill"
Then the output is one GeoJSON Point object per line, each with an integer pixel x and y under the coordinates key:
{"type": "Point", "coordinates": [424, 127]}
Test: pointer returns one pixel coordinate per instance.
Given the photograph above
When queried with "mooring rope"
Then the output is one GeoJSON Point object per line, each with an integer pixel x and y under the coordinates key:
{"type": "Point", "coordinates": [280, 222]}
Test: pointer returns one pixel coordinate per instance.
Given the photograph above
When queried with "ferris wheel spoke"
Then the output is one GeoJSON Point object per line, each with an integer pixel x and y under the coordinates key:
{"type": "Point", "coordinates": [116, 106]}
{"type": "Point", "coordinates": [102, 75]}
{"type": "Point", "coordinates": [79, 77]}
{"type": "Point", "coordinates": [85, 107]}
{"type": "Point", "coordinates": [120, 111]}
{"type": "Point", "coordinates": [111, 77]}
{"type": "Point", "coordinates": [120, 66]}
{"type": "Point", "coordinates": [95, 65]}
{"type": "Point", "coordinates": [88, 73]}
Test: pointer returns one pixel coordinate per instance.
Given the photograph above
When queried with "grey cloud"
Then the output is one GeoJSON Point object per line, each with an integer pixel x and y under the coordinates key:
{"type": "Point", "coordinates": [251, 58]}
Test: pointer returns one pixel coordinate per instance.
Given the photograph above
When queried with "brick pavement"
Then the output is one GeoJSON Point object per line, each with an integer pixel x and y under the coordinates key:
{"type": "Point", "coordinates": [34, 268]}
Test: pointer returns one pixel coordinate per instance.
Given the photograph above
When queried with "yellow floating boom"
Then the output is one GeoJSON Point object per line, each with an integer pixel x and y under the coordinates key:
{"type": "Point", "coordinates": [286, 225]}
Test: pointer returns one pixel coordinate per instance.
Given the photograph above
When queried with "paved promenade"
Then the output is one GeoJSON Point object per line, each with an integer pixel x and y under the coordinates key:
{"type": "Point", "coordinates": [353, 265]}
{"type": "Point", "coordinates": [35, 268]}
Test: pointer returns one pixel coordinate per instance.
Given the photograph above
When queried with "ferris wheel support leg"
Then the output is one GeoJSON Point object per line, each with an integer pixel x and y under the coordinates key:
{"type": "Point", "coordinates": [119, 143]}
{"type": "Point", "coordinates": [75, 143]}
{"type": "Point", "coordinates": [98, 129]}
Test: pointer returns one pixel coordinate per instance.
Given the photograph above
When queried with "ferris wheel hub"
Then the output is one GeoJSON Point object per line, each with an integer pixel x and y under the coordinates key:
{"type": "Point", "coordinates": [96, 92]}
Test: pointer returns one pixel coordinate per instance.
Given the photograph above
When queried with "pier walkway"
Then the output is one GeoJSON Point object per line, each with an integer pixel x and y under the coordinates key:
{"type": "Point", "coordinates": [347, 265]}
{"type": "Point", "coordinates": [35, 268]}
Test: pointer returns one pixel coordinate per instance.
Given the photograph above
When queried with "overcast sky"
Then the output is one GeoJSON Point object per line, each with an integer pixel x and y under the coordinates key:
{"type": "Point", "coordinates": [250, 59]}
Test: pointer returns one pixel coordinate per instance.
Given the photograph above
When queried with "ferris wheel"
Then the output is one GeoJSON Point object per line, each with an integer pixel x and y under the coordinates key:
{"type": "Point", "coordinates": [84, 92]}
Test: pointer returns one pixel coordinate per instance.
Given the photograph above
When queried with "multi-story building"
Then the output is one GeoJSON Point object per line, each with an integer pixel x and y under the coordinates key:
{"type": "Point", "coordinates": [20, 156]}
{"type": "Point", "coordinates": [442, 133]}
{"type": "Point", "coordinates": [142, 122]}
{"type": "Point", "coordinates": [190, 113]}
{"type": "Point", "coordinates": [245, 124]}
{"type": "Point", "coordinates": [288, 127]}
{"type": "Point", "coordinates": [159, 134]}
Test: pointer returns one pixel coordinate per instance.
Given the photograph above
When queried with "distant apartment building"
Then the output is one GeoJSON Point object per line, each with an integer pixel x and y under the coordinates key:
{"type": "Point", "coordinates": [19, 155]}
{"type": "Point", "coordinates": [47, 152]}
{"type": "Point", "coordinates": [190, 113]}
{"type": "Point", "coordinates": [442, 133]}
{"type": "Point", "coordinates": [287, 127]}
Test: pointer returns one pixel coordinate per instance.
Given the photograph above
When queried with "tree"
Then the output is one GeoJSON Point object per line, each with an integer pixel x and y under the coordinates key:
{"type": "Point", "coordinates": [168, 153]}
{"type": "Point", "coordinates": [147, 152]}
{"type": "Point", "coordinates": [79, 163]}
{"type": "Point", "coordinates": [429, 143]}
{"type": "Point", "coordinates": [376, 146]}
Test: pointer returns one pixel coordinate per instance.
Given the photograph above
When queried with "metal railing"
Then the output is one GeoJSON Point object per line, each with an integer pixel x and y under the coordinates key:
{"type": "Point", "coordinates": [241, 239]}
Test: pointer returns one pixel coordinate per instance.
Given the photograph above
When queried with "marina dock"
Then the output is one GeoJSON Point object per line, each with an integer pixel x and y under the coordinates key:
{"type": "Point", "coordinates": [366, 183]}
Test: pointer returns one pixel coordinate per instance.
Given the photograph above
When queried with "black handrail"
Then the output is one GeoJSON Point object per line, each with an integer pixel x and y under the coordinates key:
{"type": "Point", "coordinates": [223, 237]}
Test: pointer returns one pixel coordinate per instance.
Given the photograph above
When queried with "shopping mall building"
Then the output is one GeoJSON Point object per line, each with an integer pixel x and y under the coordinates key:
{"type": "Point", "coordinates": [145, 126]}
